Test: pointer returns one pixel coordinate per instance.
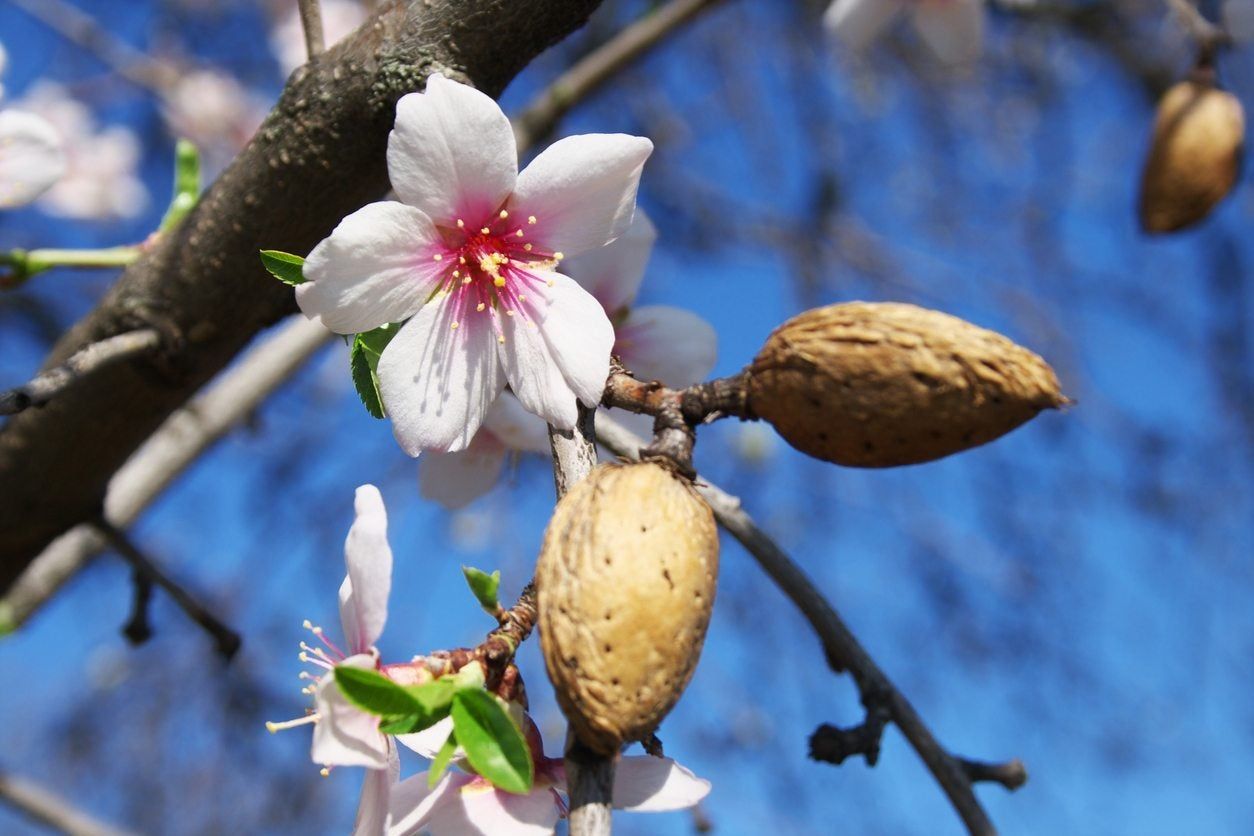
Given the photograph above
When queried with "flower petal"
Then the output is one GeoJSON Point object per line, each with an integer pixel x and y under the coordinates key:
{"type": "Point", "coordinates": [374, 268]}
{"type": "Point", "coordinates": [438, 381]}
{"type": "Point", "coordinates": [429, 741]}
{"type": "Point", "coordinates": [372, 810]}
{"type": "Point", "coordinates": [31, 157]}
{"type": "Point", "coordinates": [364, 593]}
{"type": "Point", "coordinates": [646, 784]}
{"type": "Point", "coordinates": [456, 479]}
{"type": "Point", "coordinates": [613, 273]}
{"type": "Point", "coordinates": [857, 23]}
{"type": "Point", "coordinates": [582, 190]}
{"type": "Point", "coordinates": [515, 427]}
{"type": "Point", "coordinates": [672, 345]}
{"type": "Point", "coordinates": [952, 29]}
{"type": "Point", "coordinates": [559, 351]}
{"type": "Point", "coordinates": [483, 810]}
{"type": "Point", "coordinates": [344, 734]}
{"type": "Point", "coordinates": [452, 152]}
{"type": "Point", "coordinates": [412, 802]}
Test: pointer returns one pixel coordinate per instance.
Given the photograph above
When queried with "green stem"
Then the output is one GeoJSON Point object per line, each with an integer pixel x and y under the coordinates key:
{"type": "Point", "coordinates": [23, 264]}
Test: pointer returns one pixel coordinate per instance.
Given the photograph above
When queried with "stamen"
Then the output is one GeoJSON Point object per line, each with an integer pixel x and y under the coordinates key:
{"type": "Point", "coordinates": [461, 224]}
{"type": "Point", "coordinates": [484, 230]}
{"type": "Point", "coordinates": [527, 246]}
{"type": "Point", "coordinates": [453, 327]}
{"type": "Point", "coordinates": [325, 771]}
{"type": "Point", "coordinates": [500, 338]}
{"type": "Point", "coordinates": [504, 214]}
{"type": "Point", "coordinates": [519, 233]}
{"type": "Point", "coordinates": [437, 257]}
{"type": "Point", "coordinates": [499, 281]}
{"type": "Point", "coordinates": [467, 280]}
{"type": "Point", "coordinates": [558, 256]}
{"type": "Point", "coordinates": [509, 313]}
{"type": "Point", "coordinates": [291, 724]}
{"type": "Point", "coordinates": [480, 307]}
{"type": "Point", "coordinates": [531, 219]}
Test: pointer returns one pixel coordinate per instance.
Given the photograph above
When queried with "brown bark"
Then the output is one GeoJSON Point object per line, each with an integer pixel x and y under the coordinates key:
{"type": "Point", "coordinates": [318, 157]}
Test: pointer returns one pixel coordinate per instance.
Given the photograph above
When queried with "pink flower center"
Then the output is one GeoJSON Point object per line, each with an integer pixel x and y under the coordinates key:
{"type": "Point", "coordinates": [492, 270]}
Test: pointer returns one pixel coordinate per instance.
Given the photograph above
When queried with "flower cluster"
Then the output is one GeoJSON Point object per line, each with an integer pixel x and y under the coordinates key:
{"type": "Point", "coordinates": [461, 802]}
{"type": "Point", "coordinates": [32, 158]}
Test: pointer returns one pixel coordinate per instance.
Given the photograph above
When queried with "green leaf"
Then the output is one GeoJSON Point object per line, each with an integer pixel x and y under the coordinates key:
{"type": "Point", "coordinates": [186, 184]}
{"type": "Point", "coordinates": [373, 692]}
{"type": "Point", "coordinates": [435, 697]}
{"type": "Point", "coordinates": [284, 266]}
{"type": "Point", "coordinates": [484, 587]}
{"type": "Point", "coordinates": [404, 724]}
{"type": "Point", "coordinates": [364, 362]}
{"type": "Point", "coordinates": [494, 745]}
{"type": "Point", "coordinates": [442, 758]}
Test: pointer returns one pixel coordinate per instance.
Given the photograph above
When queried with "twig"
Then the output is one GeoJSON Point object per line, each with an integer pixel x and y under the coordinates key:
{"type": "Point", "coordinates": [1012, 774]}
{"type": "Point", "coordinates": [46, 807]}
{"type": "Point", "coordinates": [138, 629]}
{"type": "Point", "coordinates": [178, 443]}
{"type": "Point", "coordinates": [96, 356]}
{"type": "Point", "coordinates": [538, 119]}
{"type": "Point", "coordinates": [311, 23]}
{"type": "Point", "coordinates": [227, 640]}
{"type": "Point", "coordinates": [1208, 36]}
{"type": "Point", "coordinates": [844, 652]}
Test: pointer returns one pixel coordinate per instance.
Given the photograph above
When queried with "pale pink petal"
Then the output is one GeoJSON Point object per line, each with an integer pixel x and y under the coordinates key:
{"type": "Point", "coordinates": [952, 29]}
{"type": "Point", "coordinates": [372, 810]}
{"type": "Point", "coordinates": [579, 335]}
{"type": "Point", "coordinates": [31, 157]}
{"type": "Point", "coordinates": [857, 23]}
{"type": "Point", "coordinates": [613, 273]}
{"type": "Point", "coordinates": [364, 594]}
{"type": "Point", "coordinates": [515, 427]}
{"type": "Point", "coordinates": [413, 803]}
{"type": "Point", "coordinates": [646, 784]}
{"type": "Point", "coordinates": [376, 267]}
{"type": "Point", "coordinates": [485, 811]}
{"type": "Point", "coordinates": [452, 153]}
{"type": "Point", "coordinates": [456, 479]}
{"type": "Point", "coordinates": [344, 734]}
{"type": "Point", "coordinates": [438, 380]}
{"type": "Point", "coordinates": [559, 351]}
{"type": "Point", "coordinates": [672, 345]}
{"type": "Point", "coordinates": [429, 741]}
{"type": "Point", "coordinates": [582, 190]}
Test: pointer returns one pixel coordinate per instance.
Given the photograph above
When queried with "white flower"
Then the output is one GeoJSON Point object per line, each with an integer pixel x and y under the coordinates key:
{"type": "Point", "coordinates": [656, 342]}
{"type": "Point", "coordinates": [952, 29]}
{"type": "Point", "coordinates": [31, 157]}
{"type": "Point", "coordinates": [470, 259]}
{"type": "Point", "coordinates": [214, 111]}
{"type": "Point", "coordinates": [100, 178]}
{"type": "Point", "coordinates": [464, 804]}
{"type": "Point", "coordinates": [287, 41]}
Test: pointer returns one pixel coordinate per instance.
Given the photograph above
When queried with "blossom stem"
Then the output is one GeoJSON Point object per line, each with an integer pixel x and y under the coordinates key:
{"type": "Point", "coordinates": [23, 264]}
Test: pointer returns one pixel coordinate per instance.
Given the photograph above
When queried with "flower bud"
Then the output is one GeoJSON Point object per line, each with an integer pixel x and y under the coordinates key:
{"type": "Point", "coordinates": [884, 384]}
{"type": "Point", "coordinates": [625, 586]}
{"type": "Point", "coordinates": [1194, 158]}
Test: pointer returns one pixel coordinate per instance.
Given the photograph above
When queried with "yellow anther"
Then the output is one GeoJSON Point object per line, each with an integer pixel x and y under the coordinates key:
{"type": "Point", "coordinates": [500, 338]}
{"type": "Point", "coordinates": [509, 313]}
{"type": "Point", "coordinates": [467, 280]}
{"type": "Point", "coordinates": [504, 214]}
{"type": "Point", "coordinates": [437, 257]}
{"type": "Point", "coordinates": [461, 259]}
{"type": "Point", "coordinates": [480, 307]}
{"type": "Point", "coordinates": [461, 224]}
{"type": "Point", "coordinates": [551, 282]}
{"type": "Point", "coordinates": [324, 772]}
{"type": "Point", "coordinates": [558, 256]}
{"type": "Point", "coordinates": [457, 274]}
{"type": "Point", "coordinates": [519, 233]}
{"type": "Point", "coordinates": [522, 297]}
{"type": "Point", "coordinates": [454, 325]}
{"type": "Point", "coordinates": [527, 246]}
{"type": "Point", "coordinates": [484, 230]}
{"type": "Point", "coordinates": [499, 281]}
{"type": "Point", "coordinates": [531, 219]}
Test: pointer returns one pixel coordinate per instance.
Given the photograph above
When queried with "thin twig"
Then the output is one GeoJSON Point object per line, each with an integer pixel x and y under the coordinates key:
{"type": "Point", "coordinates": [844, 652]}
{"type": "Point", "coordinates": [1012, 774]}
{"type": "Point", "coordinates": [538, 119]}
{"type": "Point", "coordinates": [96, 356]}
{"type": "Point", "coordinates": [311, 23]}
{"type": "Point", "coordinates": [178, 443]}
{"type": "Point", "coordinates": [1208, 36]}
{"type": "Point", "coordinates": [138, 628]}
{"type": "Point", "coordinates": [224, 637]}
{"type": "Point", "coordinates": [46, 807]}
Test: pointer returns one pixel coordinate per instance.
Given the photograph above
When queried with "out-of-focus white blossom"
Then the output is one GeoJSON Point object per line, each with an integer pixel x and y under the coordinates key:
{"type": "Point", "coordinates": [215, 112]}
{"type": "Point", "coordinates": [952, 29]}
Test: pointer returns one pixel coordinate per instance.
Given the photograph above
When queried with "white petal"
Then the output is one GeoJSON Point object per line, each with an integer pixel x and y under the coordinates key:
{"type": "Point", "coordinates": [857, 23]}
{"type": "Point", "coordinates": [31, 157]}
{"type": "Point", "coordinates": [672, 345]}
{"type": "Point", "coordinates": [372, 810]}
{"type": "Point", "coordinates": [438, 381]}
{"type": "Point", "coordinates": [364, 593]}
{"type": "Point", "coordinates": [344, 734]}
{"type": "Point", "coordinates": [412, 803]}
{"type": "Point", "coordinates": [485, 811]}
{"type": "Point", "coordinates": [515, 427]}
{"type": "Point", "coordinates": [646, 784]}
{"type": "Point", "coordinates": [613, 273]}
{"type": "Point", "coordinates": [429, 741]}
{"type": "Point", "coordinates": [582, 190]}
{"type": "Point", "coordinates": [952, 29]}
{"type": "Point", "coordinates": [451, 152]}
{"type": "Point", "coordinates": [559, 351]}
{"type": "Point", "coordinates": [376, 267]}
{"type": "Point", "coordinates": [456, 479]}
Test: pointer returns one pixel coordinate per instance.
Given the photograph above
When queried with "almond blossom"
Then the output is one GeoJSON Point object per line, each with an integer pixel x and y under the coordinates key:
{"type": "Point", "coordinates": [656, 342]}
{"type": "Point", "coordinates": [469, 257]}
{"type": "Point", "coordinates": [464, 804]}
{"type": "Point", "coordinates": [952, 29]}
{"type": "Point", "coordinates": [31, 156]}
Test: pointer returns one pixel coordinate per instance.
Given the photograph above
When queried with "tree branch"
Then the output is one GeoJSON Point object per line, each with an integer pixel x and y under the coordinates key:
{"type": "Point", "coordinates": [178, 443]}
{"type": "Point", "coordinates": [844, 652]}
{"type": "Point", "coordinates": [81, 364]}
{"type": "Point", "coordinates": [46, 807]}
{"type": "Point", "coordinates": [226, 639]}
{"type": "Point", "coordinates": [322, 150]}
